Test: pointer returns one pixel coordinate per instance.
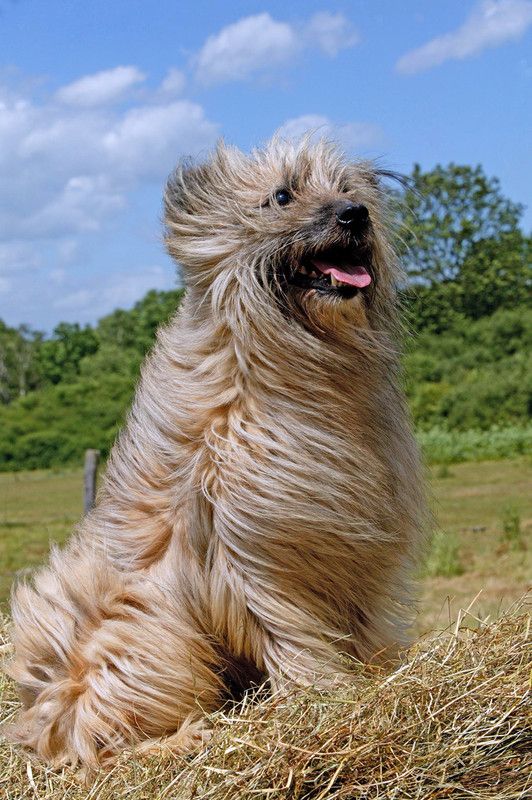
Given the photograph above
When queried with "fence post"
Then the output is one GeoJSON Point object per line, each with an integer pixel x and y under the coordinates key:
{"type": "Point", "coordinates": [89, 479]}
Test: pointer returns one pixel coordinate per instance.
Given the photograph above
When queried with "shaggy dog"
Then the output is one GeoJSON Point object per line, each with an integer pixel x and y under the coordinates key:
{"type": "Point", "coordinates": [262, 509]}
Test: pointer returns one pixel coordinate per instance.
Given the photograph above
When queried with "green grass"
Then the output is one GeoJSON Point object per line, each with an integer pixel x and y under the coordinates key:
{"type": "Point", "coordinates": [444, 556]}
{"type": "Point", "coordinates": [512, 532]}
{"type": "Point", "coordinates": [470, 553]}
{"type": "Point", "coordinates": [482, 541]}
{"type": "Point", "coordinates": [36, 509]}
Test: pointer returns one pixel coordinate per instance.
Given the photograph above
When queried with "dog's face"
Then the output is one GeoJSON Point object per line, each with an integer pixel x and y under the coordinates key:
{"type": "Point", "coordinates": [300, 223]}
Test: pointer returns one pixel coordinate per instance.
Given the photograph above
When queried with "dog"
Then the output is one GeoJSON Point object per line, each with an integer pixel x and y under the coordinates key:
{"type": "Point", "coordinates": [262, 510]}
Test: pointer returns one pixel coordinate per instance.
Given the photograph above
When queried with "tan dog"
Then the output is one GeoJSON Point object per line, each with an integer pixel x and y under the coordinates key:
{"type": "Point", "coordinates": [261, 512]}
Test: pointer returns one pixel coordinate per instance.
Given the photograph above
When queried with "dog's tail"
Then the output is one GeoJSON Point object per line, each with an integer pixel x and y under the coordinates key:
{"type": "Point", "coordinates": [104, 660]}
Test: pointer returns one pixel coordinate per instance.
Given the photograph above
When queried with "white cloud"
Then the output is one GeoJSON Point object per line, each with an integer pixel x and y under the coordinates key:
{"type": "Point", "coordinates": [70, 172]}
{"type": "Point", "coordinates": [245, 47]}
{"type": "Point", "coordinates": [173, 83]}
{"type": "Point", "coordinates": [75, 300]}
{"type": "Point", "coordinates": [67, 251]}
{"type": "Point", "coordinates": [352, 136]}
{"type": "Point", "coordinates": [144, 140]}
{"type": "Point", "coordinates": [331, 32]}
{"type": "Point", "coordinates": [17, 259]}
{"type": "Point", "coordinates": [65, 170]}
{"type": "Point", "coordinates": [83, 203]}
{"type": "Point", "coordinates": [17, 256]}
{"type": "Point", "coordinates": [491, 23]}
{"type": "Point", "coordinates": [261, 43]}
{"type": "Point", "coordinates": [58, 276]}
{"type": "Point", "coordinates": [297, 127]}
{"type": "Point", "coordinates": [101, 88]}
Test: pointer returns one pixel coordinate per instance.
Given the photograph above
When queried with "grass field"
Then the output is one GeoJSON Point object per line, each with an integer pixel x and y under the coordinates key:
{"type": "Point", "coordinates": [483, 542]}
{"type": "Point", "coordinates": [450, 722]}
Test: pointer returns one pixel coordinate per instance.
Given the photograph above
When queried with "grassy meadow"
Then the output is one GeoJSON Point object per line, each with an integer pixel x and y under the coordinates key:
{"type": "Point", "coordinates": [483, 539]}
{"type": "Point", "coordinates": [450, 722]}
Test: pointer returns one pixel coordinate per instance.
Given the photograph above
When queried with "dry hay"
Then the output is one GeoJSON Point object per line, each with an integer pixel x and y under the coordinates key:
{"type": "Point", "coordinates": [453, 721]}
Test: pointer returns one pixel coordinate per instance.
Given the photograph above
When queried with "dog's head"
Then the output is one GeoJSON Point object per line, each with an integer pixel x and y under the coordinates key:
{"type": "Point", "coordinates": [298, 225]}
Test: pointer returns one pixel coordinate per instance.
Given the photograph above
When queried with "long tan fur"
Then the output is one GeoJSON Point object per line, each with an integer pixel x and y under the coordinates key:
{"type": "Point", "coordinates": [262, 510]}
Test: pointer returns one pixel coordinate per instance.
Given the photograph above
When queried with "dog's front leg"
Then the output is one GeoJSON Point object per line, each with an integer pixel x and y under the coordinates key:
{"type": "Point", "coordinates": [263, 627]}
{"type": "Point", "coordinates": [297, 648]}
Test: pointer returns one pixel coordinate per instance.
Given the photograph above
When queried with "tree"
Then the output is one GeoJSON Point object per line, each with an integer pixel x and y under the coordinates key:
{"type": "Point", "coordinates": [18, 355]}
{"type": "Point", "coordinates": [496, 273]}
{"type": "Point", "coordinates": [462, 247]}
{"type": "Point", "coordinates": [59, 357]}
{"type": "Point", "coordinates": [445, 213]}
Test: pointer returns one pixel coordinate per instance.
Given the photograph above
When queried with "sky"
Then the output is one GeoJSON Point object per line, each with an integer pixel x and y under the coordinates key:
{"type": "Point", "coordinates": [99, 100]}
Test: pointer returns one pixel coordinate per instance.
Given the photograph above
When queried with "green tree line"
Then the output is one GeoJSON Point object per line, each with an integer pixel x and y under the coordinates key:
{"type": "Point", "coordinates": [467, 363]}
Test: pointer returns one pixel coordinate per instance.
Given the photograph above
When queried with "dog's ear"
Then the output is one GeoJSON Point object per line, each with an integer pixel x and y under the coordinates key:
{"type": "Point", "coordinates": [193, 188]}
{"type": "Point", "coordinates": [194, 210]}
{"type": "Point", "coordinates": [184, 189]}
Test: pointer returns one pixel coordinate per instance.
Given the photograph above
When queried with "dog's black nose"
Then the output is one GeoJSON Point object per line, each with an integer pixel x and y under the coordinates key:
{"type": "Point", "coordinates": [351, 215]}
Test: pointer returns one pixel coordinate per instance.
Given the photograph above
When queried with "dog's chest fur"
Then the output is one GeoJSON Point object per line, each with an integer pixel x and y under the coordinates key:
{"type": "Point", "coordinates": [286, 464]}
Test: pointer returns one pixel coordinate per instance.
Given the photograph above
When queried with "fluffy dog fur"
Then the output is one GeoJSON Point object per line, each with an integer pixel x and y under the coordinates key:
{"type": "Point", "coordinates": [262, 509]}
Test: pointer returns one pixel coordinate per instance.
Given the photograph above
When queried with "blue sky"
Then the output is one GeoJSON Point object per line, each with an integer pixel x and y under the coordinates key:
{"type": "Point", "coordinates": [98, 101]}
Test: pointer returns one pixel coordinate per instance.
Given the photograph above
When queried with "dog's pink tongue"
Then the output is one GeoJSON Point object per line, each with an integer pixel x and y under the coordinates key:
{"type": "Point", "coordinates": [355, 275]}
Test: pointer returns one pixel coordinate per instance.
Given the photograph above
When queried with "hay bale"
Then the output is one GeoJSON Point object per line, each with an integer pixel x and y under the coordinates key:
{"type": "Point", "coordinates": [454, 721]}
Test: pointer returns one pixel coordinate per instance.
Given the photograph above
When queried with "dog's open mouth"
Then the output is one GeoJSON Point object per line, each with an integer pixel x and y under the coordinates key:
{"type": "Point", "coordinates": [337, 271]}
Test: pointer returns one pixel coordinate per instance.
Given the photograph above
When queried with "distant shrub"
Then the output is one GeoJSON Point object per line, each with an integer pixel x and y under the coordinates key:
{"type": "Point", "coordinates": [62, 421]}
{"type": "Point", "coordinates": [468, 381]}
{"type": "Point", "coordinates": [442, 446]}
{"type": "Point", "coordinates": [444, 471]}
{"type": "Point", "coordinates": [44, 449]}
{"type": "Point", "coordinates": [444, 556]}
{"type": "Point", "coordinates": [475, 375]}
{"type": "Point", "coordinates": [512, 533]}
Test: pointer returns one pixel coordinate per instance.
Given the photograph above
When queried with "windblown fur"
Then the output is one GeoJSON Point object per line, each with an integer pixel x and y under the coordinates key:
{"type": "Point", "coordinates": [262, 509]}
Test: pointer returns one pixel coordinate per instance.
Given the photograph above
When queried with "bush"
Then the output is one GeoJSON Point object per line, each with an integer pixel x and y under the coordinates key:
{"type": "Point", "coordinates": [443, 559]}
{"type": "Point", "coordinates": [469, 385]}
{"type": "Point", "coordinates": [441, 446]}
{"type": "Point", "coordinates": [44, 449]}
{"type": "Point", "coordinates": [512, 533]}
{"type": "Point", "coordinates": [60, 422]}
{"type": "Point", "coordinates": [476, 376]}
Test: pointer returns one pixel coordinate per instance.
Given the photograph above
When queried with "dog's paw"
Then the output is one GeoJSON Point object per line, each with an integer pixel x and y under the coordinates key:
{"type": "Point", "coordinates": [191, 737]}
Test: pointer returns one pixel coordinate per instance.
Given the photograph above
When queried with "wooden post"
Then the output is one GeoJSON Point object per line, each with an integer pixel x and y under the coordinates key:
{"type": "Point", "coordinates": [89, 479]}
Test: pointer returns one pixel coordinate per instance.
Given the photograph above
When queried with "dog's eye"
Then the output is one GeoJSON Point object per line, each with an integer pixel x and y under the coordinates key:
{"type": "Point", "coordinates": [283, 197]}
